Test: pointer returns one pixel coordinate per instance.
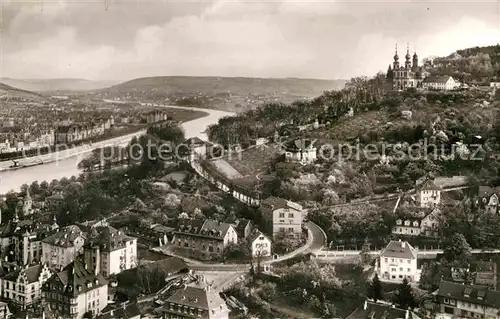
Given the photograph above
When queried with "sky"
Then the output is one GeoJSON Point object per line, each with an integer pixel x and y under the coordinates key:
{"type": "Point", "coordinates": [309, 39]}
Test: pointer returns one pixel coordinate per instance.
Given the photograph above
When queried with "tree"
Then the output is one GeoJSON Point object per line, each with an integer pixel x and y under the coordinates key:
{"type": "Point", "coordinates": [404, 297]}
{"type": "Point", "coordinates": [364, 256]}
{"type": "Point", "coordinates": [375, 289]}
{"type": "Point", "coordinates": [431, 275]}
{"type": "Point", "coordinates": [457, 250]}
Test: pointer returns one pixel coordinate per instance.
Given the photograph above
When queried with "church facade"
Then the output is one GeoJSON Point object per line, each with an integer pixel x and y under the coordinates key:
{"type": "Point", "coordinates": [409, 75]}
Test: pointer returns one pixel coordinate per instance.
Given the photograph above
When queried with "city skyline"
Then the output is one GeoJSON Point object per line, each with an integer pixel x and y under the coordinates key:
{"type": "Point", "coordinates": [307, 39]}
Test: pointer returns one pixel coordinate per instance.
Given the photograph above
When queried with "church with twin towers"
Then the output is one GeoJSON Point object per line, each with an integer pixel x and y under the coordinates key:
{"type": "Point", "coordinates": [407, 75]}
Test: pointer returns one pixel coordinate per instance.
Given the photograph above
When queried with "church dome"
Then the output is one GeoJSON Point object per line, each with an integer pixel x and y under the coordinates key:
{"type": "Point", "coordinates": [415, 56]}
{"type": "Point", "coordinates": [396, 57]}
{"type": "Point", "coordinates": [408, 56]}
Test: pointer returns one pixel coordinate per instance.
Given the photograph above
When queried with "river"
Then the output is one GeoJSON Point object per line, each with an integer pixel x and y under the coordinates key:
{"type": "Point", "coordinates": [67, 167]}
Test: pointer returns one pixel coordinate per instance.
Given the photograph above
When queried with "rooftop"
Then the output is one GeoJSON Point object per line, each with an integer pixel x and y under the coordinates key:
{"type": "Point", "coordinates": [399, 249]}
{"type": "Point", "coordinates": [479, 295]}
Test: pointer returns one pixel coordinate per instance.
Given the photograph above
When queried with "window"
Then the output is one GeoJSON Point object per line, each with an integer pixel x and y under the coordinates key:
{"type": "Point", "coordinates": [386, 259]}
{"type": "Point", "coordinates": [409, 269]}
{"type": "Point", "coordinates": [446, 301]}
{"type": "Point", "coordinates": [290, 215]}
{"type": "Point", "coordinates": [408, 261]}
{"type": "Point", "coordinates": [400, 268]}
{"type": "Point", "coordinates": [282, 215]}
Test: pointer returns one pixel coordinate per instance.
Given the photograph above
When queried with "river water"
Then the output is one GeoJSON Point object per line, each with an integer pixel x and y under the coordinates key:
{"type": "Point", "coordinates": [67, 167]}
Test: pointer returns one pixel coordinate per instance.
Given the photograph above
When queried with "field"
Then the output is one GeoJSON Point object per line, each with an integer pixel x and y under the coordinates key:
{"type": "Point", "coordinates": [254, 161]}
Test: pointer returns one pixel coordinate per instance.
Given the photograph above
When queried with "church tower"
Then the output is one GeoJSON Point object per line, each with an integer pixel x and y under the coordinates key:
{"type": "Point", "coordinates": [408, 58]}
{"type": "Point", "coordinates": [415, 61]}
{"type": "Point", "coordinates": [395, 64]}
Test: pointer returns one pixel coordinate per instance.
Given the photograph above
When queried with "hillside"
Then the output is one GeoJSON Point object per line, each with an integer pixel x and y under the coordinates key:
{"type": "Point", "coordinates": [9, 92]}
{"type": "Point", "coordinates": [237, 94]}
{"type": "Point", "coordinates": [45, 85]}
{"type": "Point", "coordinates": [479, 64]}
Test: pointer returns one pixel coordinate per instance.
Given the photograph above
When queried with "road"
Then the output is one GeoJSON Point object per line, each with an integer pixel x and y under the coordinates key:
{"type": "Point", "coordinates": [316, 240]}
{"type": "Point", "coordinates": [336, 255]}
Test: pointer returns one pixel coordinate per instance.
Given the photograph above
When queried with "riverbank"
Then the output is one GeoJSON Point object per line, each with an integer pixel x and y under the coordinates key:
{"type": "Point", "coordinates": [179, 115]}
{"type": "Point", "coordinates": [67, 166]}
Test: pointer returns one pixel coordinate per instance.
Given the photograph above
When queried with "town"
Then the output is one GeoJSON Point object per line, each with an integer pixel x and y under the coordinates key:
{"type": "Point", "coordinates": [231, 197]}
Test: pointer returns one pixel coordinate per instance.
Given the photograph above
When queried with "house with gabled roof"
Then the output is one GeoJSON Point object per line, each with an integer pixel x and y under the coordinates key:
{"type": "Point", "coordinates": [126, 310]}
{"type": "Point", "coordinates": [61, 248]}
{"type": "Point", "coordinates": [75, 291]}
{"type": "Point", "coordinates": [23, 286]}
{"type": "Point", "coordinates": [398, 260]}
{"type": "Point", "coordinates": [428, 194]}
{"type": "Point", "coordinates": [196, 300]}
{"type": "Point", "coordinates": [260, 244]}
{"type": "Point", "coordinates": [440, 82]}
{"type": "Point", "coordinates": [456, 300]}
{"type": "Point", "coordinates": [489, 199]}
{"type": "Point", "coordinates": [204, 238]}
{"type": "Point", "coordinates": [110, 250]}
{"type": "Point", "coordinates": [429, 225]}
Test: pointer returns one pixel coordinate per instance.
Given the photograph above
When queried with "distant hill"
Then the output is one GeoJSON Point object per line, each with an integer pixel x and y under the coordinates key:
{"type": "Point", "coordinates": [223, 93]}
{"type": "Point", "coordinates": [7, 92]}
{"type": "Point", "coordinates": [54, 85]}
{"type": "Point", "coordinates": [238, 86]}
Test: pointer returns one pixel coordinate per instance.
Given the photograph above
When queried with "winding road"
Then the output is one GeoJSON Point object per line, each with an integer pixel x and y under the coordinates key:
{"type": "Point", "coordinates": [316, 240]}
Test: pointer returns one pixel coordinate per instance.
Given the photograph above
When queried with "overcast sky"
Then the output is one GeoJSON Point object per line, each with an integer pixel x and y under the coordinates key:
{"type": "Point", "coordinates": [313, 39]}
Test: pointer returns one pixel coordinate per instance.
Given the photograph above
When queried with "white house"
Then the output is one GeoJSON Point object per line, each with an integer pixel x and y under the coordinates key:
{"type": "Point", "coordinates": [301, 151]}
{"type": "Point", "coordinates": [440, 82]}
{"type": "Point", "coordinates": [428, 194]}
{"type": "Point", "coordinates": [398, 261]}
{"type": "Point", "coordinates": [495, 84]}
{"type": "Point", "coordinates": [489, 199]}
{"type": "Point", "coordinates": [287, 216]}
{"type": "Point", "coordinates": [260, 244]}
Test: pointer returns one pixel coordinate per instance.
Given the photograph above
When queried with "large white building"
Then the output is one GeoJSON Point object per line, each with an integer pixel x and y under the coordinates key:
{"type": "Point", "coordinates": [110, 250]}
{"type": "Point", "coordinates": [23, 286]}
{"type": "Point", "coordinates": [287, 216]}
{"type": "Point", "coordinates": [398, 261]}
{"type": "Point", "coordinates": [76, 291]}
{"type": "Point", "coordinates": [440, 82]}
{"type": "Point", "coordinates": [61, 248]}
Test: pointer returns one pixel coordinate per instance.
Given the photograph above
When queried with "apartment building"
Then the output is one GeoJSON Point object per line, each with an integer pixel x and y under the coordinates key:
{"type": "Point", "coordinates": [398, 261]}
{"type": "Point", "coordinates": [61, 248]}
{"type": "Point", "coordinates": [467, 301]}
{"type": "Point", "coordinates": [204, 238]}
{"type": "Point", "coordinates": [75, 291]}
{"type": "Point", "coordinates": [287, 216]}
{"type": "Point", "coordinates": [23, 286]}
{"type": "Point", "coordinates": [111, 250]}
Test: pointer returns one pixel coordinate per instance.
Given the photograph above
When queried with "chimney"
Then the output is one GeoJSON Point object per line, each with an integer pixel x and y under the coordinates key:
{"type": "Point", "coordinates": [365, 305]}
